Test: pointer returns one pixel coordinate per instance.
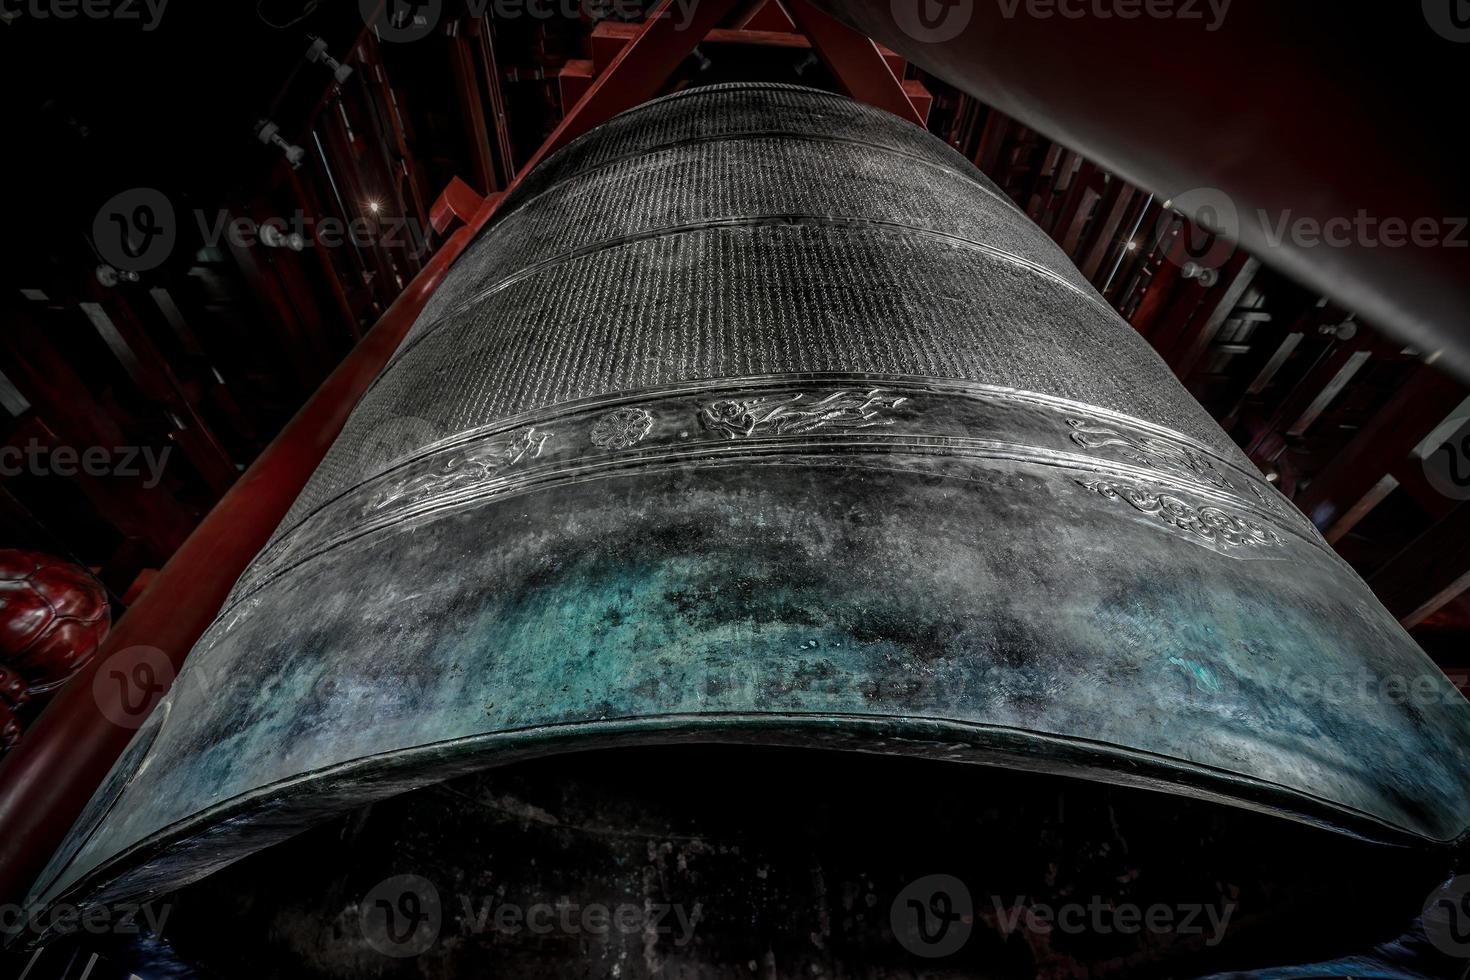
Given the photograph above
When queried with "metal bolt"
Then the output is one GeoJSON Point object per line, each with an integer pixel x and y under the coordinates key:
{"type": "Point", "coordinates": [318, 52]}
{"type": "Point", "coordinates": [269, 133]}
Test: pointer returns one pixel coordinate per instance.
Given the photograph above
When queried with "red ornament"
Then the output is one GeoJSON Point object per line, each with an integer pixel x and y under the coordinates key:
{"type": "Point", "coordinates": [53, 616]}
{"type": "Point", "coordinates": [13, 694]}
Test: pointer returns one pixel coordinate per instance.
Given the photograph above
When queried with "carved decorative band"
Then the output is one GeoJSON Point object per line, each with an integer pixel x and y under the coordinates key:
{"type": "Point", "coordinates": [1159, 453]}
{"type": "Point", "coordinates": [691, 424]}
{"type": "Point", "coordinates": [1219, 527]}
{"type": "Point", "coordinates": [840, 410]}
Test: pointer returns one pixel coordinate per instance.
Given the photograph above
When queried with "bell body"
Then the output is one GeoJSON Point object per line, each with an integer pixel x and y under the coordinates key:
{"type": "Point", "coordinates": [760, 416]}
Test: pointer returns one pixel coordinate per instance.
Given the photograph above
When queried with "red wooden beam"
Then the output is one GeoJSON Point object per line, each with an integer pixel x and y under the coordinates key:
{"type": "Point", "coordinates": [1082, 196]}
{"type": "Point", "coordinates": [126, 337]}
{"type": "Point", "coordinates": [345, 161]}
{"type": "Point", "coordinates": [1413, 411]}
{"type": "Point", "coordinates": [638, 71]}
{"type": "Point", "coordinates": [768, 39]}
{"type": "Point", "coordinates": [768, 16]}
{"type": "Point", "coordinates": [993, 137]}
{"type": "Point", "coordinates": [1300, 403]}
{"type": "Point", "coordinates": [459, 201]}
{"type": "Point", "coordinates": [390, 106]}
{"type": "Point", "coordinates": [1430, 573]}
{"type": "Point", "coordinates": [1104, 236]}
{"type": "Point", "coordinates": [278, 316]}
{"type": "Point", "coordinates": [67, 405]}
{"type": "Point", "coordinates": [49, 777]}
{"type": "Point", "coordinates": [1236, 278]}
{"type": "Point", "coordinates": [310, 204]}
{"type": "Point", "coordinates": [472, 109]}
{"type": "Point", "coordinates": [573, 81]}
{"type": "Point", "coordinates": [47, 780]}
{"type": "Point", "coordinates": [855, 60]}
{"type": "Point", "coordinates": [482, 30]}
{"type": "Point", "coordinates": [848, 54]}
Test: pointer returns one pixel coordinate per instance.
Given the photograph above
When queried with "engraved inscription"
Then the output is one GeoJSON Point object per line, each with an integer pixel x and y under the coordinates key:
{"type": "Point", "coordinates": [622, 428]}
{"type": "Point", "coordinates": [1210, 523]}
{"type": "Point", "coordinates": [844, 409]}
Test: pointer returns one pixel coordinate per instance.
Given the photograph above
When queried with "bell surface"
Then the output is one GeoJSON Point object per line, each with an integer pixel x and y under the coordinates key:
{"type": "Point", "coordinates": [757, 415]}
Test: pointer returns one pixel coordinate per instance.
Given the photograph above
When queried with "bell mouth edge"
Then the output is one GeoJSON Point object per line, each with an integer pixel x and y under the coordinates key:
{"type": "Point", "coordinates": [214, 838]}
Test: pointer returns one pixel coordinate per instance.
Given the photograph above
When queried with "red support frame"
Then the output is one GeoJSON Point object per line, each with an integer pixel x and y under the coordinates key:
{"type": "Point", "coordinates": [50, 776]}
{"type": "Point", "coordinates": [47, 779]}
{"type": "Point", "coordinates": [856, 61]}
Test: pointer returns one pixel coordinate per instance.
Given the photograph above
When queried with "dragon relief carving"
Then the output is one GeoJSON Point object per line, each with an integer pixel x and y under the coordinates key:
{"type": "Point", "coordinates": [444, 473]}
{"type": "Point", "coordinates": [464, 467]}
{"type": "Point", "coordinates": [1164, 455]}
{"type": "Point", "coordinates": [799, 413]}
{"type": "Point", "coordinates": [1210, 523]}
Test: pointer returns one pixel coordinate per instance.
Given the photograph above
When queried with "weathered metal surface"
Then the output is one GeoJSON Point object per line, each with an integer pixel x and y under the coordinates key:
{"type": "Point", "coordinates": [759, 416]}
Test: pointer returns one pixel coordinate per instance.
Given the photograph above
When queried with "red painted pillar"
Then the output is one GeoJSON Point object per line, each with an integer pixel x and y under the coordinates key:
{"type": "Point", "coordinates": [49, 777]}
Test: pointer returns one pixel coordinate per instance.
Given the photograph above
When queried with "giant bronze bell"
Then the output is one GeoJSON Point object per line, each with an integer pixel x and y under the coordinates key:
{"type": "Point", "coordinates": [760, 416]}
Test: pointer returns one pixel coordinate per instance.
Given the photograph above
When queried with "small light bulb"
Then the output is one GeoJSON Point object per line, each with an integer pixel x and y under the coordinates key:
{"type": "Point", "coordinates": [374, 207]}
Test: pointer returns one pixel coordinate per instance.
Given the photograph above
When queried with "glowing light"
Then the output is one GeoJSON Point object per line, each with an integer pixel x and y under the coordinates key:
{"type": "Point", "coordinates": [375, 206]}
